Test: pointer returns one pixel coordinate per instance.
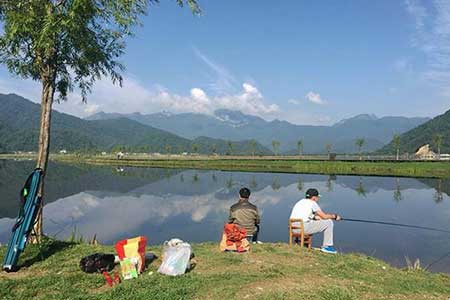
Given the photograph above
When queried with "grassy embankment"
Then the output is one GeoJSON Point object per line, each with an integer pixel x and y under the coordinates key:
{"type": "Point", "coordinates": [269, 271]}
{"type": "Point", "coordinates": [278, 164]}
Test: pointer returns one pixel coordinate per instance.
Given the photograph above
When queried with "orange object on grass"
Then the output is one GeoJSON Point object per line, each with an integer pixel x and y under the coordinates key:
{"type": "Point", "coordinates": [134, 247]}
{"type": "Point", "coordinates": [234, 239]}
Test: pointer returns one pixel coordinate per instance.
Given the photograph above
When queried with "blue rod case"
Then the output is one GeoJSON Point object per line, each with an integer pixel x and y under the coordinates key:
{"type": "Point", "coordinates": [30, 202]}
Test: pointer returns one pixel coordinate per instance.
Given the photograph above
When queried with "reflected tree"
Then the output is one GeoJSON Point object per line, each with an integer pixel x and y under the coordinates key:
{"type": "Point", "coordinates": [398, 193]}
{"type": "Point", "coordinates": [360, 190]}
{"type": "Point", "coordinates": [214, 177]}
{"type": "Point", "coordinates": [167, 174]}
{"type": "Point", "coordinates": [181, 178]}
{"type": "Point", "coordinates": [438, 195]}
{"type": "Point", "coordinates": [299, 184]}
{"type": "Point", "coordinates": [253, 183]}
{"type": "Point", "coordinates": [330, 183]}
{"type": "Point", "coordinates": [276, 184]}
{"type": "Point", "coordinates": [229, 182]}
{"type": "Point", "coordinates": [195, 178]}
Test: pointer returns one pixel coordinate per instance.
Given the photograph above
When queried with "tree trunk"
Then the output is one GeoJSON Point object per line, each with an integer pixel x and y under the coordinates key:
{"type": "Point", "coordinates": [47, 96]}
{"type": "Point", "coordinates": [398, 153]}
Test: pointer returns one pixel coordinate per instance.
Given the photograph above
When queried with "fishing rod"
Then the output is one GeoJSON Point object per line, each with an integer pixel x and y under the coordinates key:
{"type": "Point", "coordinates": [395, 224]}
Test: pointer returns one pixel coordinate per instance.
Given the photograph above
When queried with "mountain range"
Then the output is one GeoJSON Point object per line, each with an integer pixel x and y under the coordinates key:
{"type": "Point", "coordinates": [19, 131]}
{"type": "Point", "coordinates": [411, 140]}
{"type": "Point", "coordinates": [234, 125]}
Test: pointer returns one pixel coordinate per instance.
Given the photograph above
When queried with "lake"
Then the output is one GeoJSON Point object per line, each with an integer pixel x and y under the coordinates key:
{"type": "Point", "coordinates": [116, 203]}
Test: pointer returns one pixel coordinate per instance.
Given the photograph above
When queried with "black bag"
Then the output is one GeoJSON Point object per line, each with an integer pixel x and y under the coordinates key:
{"type": "Point", "coordinates": [98, 262]}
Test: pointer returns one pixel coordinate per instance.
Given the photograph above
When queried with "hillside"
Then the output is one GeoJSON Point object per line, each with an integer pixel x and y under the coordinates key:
{"type": "Point", "coordinates": [410, 141]}
{"type": "Point", "coordinates": [19, 131]}
{"type": "Point", "coordinates": [234, 125]}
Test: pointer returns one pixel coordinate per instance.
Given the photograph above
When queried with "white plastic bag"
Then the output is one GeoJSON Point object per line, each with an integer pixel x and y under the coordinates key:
{"type": "Point", "coordinates": [175, 258]}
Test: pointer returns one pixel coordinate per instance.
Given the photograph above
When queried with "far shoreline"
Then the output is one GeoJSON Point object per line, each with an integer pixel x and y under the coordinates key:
{"type": "Point", "coordinates": [270, 164]}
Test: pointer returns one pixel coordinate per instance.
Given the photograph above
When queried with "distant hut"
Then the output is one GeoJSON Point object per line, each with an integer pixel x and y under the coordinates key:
{"type": "Point", "coordinates": [424, 152]}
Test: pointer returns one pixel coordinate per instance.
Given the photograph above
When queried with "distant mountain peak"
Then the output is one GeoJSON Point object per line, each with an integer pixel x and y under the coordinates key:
{"type": "Point", "coordinates": [360, 117]}
{"type": "Point", "coordinates": [234, 118]}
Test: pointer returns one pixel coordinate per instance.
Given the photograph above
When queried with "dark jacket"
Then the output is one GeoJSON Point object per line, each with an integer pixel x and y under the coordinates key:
{"type": "Point", "coordinates": [245, 215]}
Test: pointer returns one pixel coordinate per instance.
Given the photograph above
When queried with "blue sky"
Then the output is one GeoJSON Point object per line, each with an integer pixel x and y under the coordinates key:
{"type": "Point", "coordinates": [308, 62]}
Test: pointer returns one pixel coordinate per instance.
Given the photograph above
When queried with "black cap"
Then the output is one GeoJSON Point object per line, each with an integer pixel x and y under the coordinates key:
{"type": "Point", "coordinates": [311, 193]}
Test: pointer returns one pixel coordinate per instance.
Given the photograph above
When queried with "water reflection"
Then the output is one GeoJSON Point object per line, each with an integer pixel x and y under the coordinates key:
{"type": "Point", "coordinates": [360, 188]}
{"type": "Point", "coordinates": [193, 205]}
{"type": "Point", "coordinates": [398, 192]}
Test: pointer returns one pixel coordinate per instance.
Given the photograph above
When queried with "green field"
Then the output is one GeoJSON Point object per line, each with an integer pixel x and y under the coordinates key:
{"type": "Point", "coordinates": [284, 165]}
{"type": "Point", "coordinates": [269, 271]}
{"type": "Point", "coordinates": [426, 169]}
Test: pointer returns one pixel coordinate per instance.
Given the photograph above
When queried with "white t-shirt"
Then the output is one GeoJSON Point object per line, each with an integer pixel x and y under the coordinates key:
{"type": "Point", "coordinates": [305, 209]}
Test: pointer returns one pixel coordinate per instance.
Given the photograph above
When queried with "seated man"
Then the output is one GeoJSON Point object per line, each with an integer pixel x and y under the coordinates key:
{"type": "Point", "coordinates": [245, 215]}
{"type": "Point", "coordinates": [315, 220]}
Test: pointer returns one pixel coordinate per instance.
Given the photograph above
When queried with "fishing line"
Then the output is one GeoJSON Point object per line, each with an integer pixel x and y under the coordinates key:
{"type": "Point", "coordinates": [395, 224]}
{"type": "Point", "coordinates": [407, 226]}
{"type": "Point", "coordinates": [437, 260]}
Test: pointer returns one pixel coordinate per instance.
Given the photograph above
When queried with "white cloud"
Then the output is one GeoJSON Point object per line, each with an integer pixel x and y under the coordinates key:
{"type": "Point", "coordinates": [314, 98]}
{"type": "Point", "coordinates": [432, 38]}
{"type": "Point", "coordinates": [294, 101]}
{"type": "Point", "coordinates": [135, 97]}
{"type": "Point", "coordinates": [222, 81]}
{"type": "Point", "coordinates": [91, 109]}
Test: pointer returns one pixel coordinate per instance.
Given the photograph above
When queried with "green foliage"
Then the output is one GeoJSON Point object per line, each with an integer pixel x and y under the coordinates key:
{"type": "Point", "coordinates": [276, 147]}
{"type": "Point", "coordinates": [435, 132]}
{"type": "Point", "coordinates": [112, 135]}
{"type": "Point", "coordinates": [69, 43]}
{"type": "Point", "coordinates": [300, 147]}
{"type": "Point", "coordinates": [359, 142]}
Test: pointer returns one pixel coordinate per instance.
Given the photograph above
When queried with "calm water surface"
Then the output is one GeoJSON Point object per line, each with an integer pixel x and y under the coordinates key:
{"type": "Point", "coordinates": [117, 203]}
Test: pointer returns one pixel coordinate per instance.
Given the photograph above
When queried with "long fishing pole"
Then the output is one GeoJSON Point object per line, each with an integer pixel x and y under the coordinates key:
{"type": "Point", "coordinates": [395, 224]}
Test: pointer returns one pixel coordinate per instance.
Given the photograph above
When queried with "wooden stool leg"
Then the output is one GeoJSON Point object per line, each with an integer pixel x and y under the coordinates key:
{"type": "Point", "coordinates": [290, 235]}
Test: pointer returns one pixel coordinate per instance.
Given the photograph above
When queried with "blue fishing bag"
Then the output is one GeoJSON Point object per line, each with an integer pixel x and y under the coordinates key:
{"type": "Point", "coordinates": [29, 207]}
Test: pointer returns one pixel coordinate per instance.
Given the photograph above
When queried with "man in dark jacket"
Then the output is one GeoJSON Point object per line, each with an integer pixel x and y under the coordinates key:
{"type": "Point", "coordinates": [245, 215]}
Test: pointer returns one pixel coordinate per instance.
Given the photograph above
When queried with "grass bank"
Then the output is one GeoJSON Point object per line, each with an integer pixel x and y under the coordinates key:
{"type": "Point", "coordinates": [269, 271]}
{"type": "Point", "coordinates": [283, 165]}
{"type": "Point", "coordinates": [280, 164]}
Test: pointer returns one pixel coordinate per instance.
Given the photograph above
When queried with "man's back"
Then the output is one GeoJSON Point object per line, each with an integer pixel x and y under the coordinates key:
{"type": "Point", "coordinates": [304, 209]}
{"type": "Point", "coordinates": [245, 214]}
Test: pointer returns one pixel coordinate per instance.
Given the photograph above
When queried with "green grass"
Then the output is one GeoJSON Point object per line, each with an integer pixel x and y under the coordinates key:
{"type": "Point", "coordinates": [280, 164]}
{"type": "Point", "coordinates": [283, 165]}
{"type": "Point", "coordinates": [269, 271]}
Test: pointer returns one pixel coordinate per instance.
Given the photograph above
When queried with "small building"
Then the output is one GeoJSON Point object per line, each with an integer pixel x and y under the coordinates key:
{"type": "Point", "coordinates": [425, 152]}
{"type": "Point", "coordinates": [444, 156]}
{"type": "Point", "coordinates": [64, 151]}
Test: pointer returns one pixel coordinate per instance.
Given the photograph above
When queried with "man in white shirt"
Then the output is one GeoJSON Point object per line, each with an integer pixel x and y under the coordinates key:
{"type": "Point", "coordinates": [315, 220]}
